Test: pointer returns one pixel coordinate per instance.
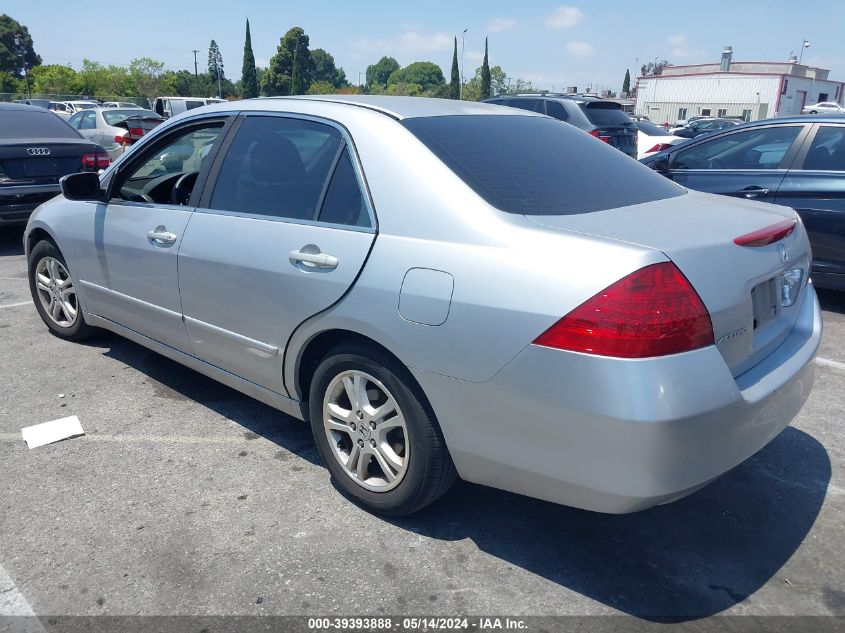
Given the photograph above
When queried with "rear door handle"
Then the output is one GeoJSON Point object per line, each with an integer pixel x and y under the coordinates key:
{"type": "Point", "coordinates": [315, 260]}
{"type": "Point", "coordinates": [160, 235]}
{"type": "Point", "coordinates": [753, 192]}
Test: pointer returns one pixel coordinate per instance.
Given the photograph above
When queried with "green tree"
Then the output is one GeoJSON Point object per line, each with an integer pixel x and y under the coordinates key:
{"type": "Point", "coordinates": [54, 79]}
{"type": "Point", "coordinates": [290, 68]}
{"type": "Point", "coordinates": [428, 75]}
{"type": "Point", "coordinates": [499, 83]}
{"type": "Point", "coordinates": [485, 75]}
{"type": "Point", "coordinates": [653, 69]}
{"type": "Point", "coordinates": [144, 76]}
{"type": "Point", "coordinates": [455, 80]}
{"type": "Point", "coordinates": [379, 73]}
{"type": "Point", "coordinates": [8, 83]}
{"type": "Point", "coordinates": [215, 62]}
{"type": "Point", "coordinates": [626, 83]}
{"type": "Point", "coordinates": [321, 88]}
{"type": "Point", "coordinates": [94, 79]}
{"type": "Point", "coordinates": [324, 69]}
{"type": "Point", "coordinates": [405, 89]}
{"type": "Point", "coordinates": [11, 61]}
{"type": "Point", "coordinates": [249, 78]}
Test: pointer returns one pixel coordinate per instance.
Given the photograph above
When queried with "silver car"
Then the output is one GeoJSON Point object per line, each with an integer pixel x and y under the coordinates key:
{"type": "Point", "coordinates": [445, 289]}
{"type": "Point", "coordinates": [115, 129]}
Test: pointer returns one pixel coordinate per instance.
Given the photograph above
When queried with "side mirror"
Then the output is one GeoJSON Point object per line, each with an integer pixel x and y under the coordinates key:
{"type": "Point", "coordinates": [661, 164]}
{"type": "Point", "coordinates": [81, 186]}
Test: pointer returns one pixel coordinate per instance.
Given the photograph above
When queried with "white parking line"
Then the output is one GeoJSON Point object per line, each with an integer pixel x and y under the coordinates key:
{"type": "Point", "coordinates": [16, 305]}
{"type": "Point", "coordinates": [156, 439]}
{"type": "Point", "coordinates": [830, 363]}
{"type": "Point", "coordinates": [12, 603]}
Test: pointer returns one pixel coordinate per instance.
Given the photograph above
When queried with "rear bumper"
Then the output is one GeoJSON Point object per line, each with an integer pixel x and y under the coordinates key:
{"type": "Point", "coordinates": [617, 436]}
{"type": "Point", "coordinates": [17, 203]}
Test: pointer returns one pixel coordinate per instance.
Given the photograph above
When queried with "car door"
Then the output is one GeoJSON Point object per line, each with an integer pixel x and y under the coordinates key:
{"type": "Point", "coordinates": [748, 163]}
{"type": "Point", "coordinates": [88, 124]}
{"type": "Point", "coordinates": [137, 234]}
{"type": "Point", "coordinates": [280, 236]}
{"type": "Point", "coordinates": [815, 188]}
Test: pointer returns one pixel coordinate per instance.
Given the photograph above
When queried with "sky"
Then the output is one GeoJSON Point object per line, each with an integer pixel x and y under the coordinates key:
{"type": "Point", "coordinates": [553, 45]}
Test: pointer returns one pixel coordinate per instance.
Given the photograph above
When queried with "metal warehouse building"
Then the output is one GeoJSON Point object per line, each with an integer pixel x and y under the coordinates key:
{"type": "Point", "coordinates": [753, 90]}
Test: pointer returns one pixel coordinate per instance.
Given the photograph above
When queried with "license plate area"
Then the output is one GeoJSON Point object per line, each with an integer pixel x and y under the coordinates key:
{"type": "Point", "coordinates": [765, 299]}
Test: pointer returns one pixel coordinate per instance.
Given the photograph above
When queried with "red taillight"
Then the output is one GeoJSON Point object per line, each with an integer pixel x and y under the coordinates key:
{"type": "Point", "coordinates": [651, 312]}
{"type": "Point", "coordinates": [767, 235]}
{"type": "Point", "coordinates": [599, 136]}
{"type": "Point", "coordinates": [136, 131]}
{"type": "Point", "coordinates": [659, 147]}
{"type": "Point", "coordinates": [122, 140]}
{"type": "Point", "coordinates": [100, 160]}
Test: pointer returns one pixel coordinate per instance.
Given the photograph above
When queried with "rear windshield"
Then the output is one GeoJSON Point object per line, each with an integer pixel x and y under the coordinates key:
{"type": "Point", "coordinates": [117, 115]}
{"type": "Point", "coordinates": [536, 166]}
{"type": "Point", "coordinates": [605, 113]}
{"type": "Point", "coordinates": [651, 129]}
{"type": "Point", "coordinates": [36, 124]}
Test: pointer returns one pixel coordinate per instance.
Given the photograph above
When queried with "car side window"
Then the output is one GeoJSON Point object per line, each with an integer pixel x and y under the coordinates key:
{"type": "Point", "coordinates": [827, 153]}
{"type": "Point", "coordinates": [761, 148]}
{"type": "Point", "coordinates": [555, 109]}
{"type": "Point", "coordinates": [75, 120]}
{"type": "Point", "coordinates": [185, 154]}
{"type": "Point", "coordinates": [533, 105]}
{"type": "Point", "coordinates": [344, 201]}
{"type": "Point", "coordinates": [277, 166]}
{"type": "Point", "coordinates": [88, 120]}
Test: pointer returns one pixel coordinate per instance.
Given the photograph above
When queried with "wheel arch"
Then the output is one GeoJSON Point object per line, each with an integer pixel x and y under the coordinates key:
{"type": "Point", "coordinates": [38, 234]}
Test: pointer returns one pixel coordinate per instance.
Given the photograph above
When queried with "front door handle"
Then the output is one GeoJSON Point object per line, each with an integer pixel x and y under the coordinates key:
{"type": "Point", "coordinates": [160, 235]}
{"type": "Point", "coordinates": [313, 259]}
{"type": "Point", "coordinates": [753, 192]}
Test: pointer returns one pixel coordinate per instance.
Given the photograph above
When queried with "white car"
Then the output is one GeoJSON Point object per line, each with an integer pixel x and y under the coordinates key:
{"type": "Point", "coordinates": [825, 107]}
{"type": "Point", "coordinates": [114, 129]}
{"type": "Point", "coordinates": [652, 138]}
{"type": "Point", "coordinates": [121, 104]}
{"type": "Point", "coordinates": [67, 109]}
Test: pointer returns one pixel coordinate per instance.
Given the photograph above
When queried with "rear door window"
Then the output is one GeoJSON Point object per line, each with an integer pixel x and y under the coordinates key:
{"type": "Point", "coordinates": [557, 110]}
{"type": "Point", "coordinates": [761, 148]}
{"type": "Point", "coordinates": [533, 105]}
{"type": "Point", "coordinates": [827, 153]}
{"type": "Point", "coordinates": [277, 166]}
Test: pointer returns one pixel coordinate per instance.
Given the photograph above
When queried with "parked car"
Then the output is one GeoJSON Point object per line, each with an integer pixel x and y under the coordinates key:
{"type": "Point", "coordinates": [601, 118]}
{"type": "Point", "coordinates": [66, 109]}
{"type": "Point", "coordinates": [652, 138]}
{"type": "Point", "coordinates": [445, 288]}
{"type": "Point", "coordinates": [171, 106]}
{"type": "Point", "coordinates": [36, 149]}
{"type": "Point", "coordinates": [825, 107]}
{"type": "Point", "coordinates": [704, 126]}
{"type": "Point", "coordinates": [798, 162]}
{"type": "Point", "coordinates": [121, 104]}
{"type": "Point", "coordinates": [680, 123]}
{"type": "Point", "coordinates": [114, 128]}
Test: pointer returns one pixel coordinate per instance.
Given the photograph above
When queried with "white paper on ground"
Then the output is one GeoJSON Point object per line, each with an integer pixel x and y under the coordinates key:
{"type": "Point", "coordinates": [49, 432]}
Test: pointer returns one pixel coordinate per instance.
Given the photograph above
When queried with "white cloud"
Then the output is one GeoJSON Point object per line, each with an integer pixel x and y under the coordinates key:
{"type": "Point", "coordinates": [497, 25]}
{"type": "Point", "coordinates": [579, 49]}
{"type": "Point", "coordinates": [409, 43]}
{"type": "Point", "coordinates": [679, 39]}
{"type": "Point", "coordinates": [564, 17]}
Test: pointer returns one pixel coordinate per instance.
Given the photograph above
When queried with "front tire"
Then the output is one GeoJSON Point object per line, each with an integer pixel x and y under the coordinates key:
{"type": "Point", "coordinates": [54, 293]}
{"type": "Point", "coordinates": [376, 433]}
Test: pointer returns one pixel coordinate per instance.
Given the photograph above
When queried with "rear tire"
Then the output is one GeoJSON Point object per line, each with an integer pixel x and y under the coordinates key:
{"type": "Point", "coordinates": [376, 433]}
{"type": "Point", "coordinates": [54, 293]}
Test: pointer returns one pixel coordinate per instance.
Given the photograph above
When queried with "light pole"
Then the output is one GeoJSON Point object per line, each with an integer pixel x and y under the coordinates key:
{"type": "Point", "coordinates": [804, 44]}
{"type": "Point", "coordinates": [463, 48]}
{"type": "Point", "coordinates": [360, 85]}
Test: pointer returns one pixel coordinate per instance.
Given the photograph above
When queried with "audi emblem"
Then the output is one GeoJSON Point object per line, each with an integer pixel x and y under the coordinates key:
{"type": "Point", "coordinates": [38, 151]}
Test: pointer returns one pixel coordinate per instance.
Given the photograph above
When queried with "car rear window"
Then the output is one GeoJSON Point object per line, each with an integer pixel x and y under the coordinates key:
{"type": "Point", "coordinates": [651, 129]}
{"type": "Point", "coordinates": [118, 115]}
{"type": "Point", "coordinates": [36, 124]}
{"type": "Point", "coordinates": [605, 113]}
{"type": "Point", "coordinates": [536, 166]}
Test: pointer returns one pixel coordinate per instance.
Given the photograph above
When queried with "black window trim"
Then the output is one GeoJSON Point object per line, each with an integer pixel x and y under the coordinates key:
{"type": "Point", "coordinates": [786, 163]}
{"type": "Point", "coordinates": [116, 177]}
{"type": "Point", "coordinates": [346, 142]}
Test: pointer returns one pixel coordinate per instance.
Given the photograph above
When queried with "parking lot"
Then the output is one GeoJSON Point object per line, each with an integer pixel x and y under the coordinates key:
{"type": "Point", "coordinates": [185, 497]}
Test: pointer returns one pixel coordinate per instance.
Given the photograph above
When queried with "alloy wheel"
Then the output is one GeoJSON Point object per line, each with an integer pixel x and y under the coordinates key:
{"type": "Point", "coordinates": [56, 292]}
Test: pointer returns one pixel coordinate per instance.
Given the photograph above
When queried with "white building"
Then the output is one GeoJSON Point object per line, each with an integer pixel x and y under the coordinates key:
{"type": "Point", "coordinates": [753, 90]}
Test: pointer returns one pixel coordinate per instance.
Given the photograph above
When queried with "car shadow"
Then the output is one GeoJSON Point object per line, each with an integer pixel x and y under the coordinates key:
{"type": "Point", "coordinates": [174, 381]}
{"type": "Point", "coordinates": [683, 561]}
{"type": "Point", "coordinates": [831, 300]}
{"type": "Point", "coordinates": [11, 241]}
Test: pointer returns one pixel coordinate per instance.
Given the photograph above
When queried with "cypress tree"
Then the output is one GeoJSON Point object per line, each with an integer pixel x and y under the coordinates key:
{"type": "Point", "coordinates": [455, 83]}
{"type": "Point", "coordinates": [249, 79]}
{"type": "Point", "coordinates": [626, 83]}
{"type": "Point", "coordinates": [485, 75]}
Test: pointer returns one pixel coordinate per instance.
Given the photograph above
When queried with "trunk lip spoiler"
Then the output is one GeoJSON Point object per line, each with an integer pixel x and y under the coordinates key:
{"type": "Point", "coordinates": [767, 235]}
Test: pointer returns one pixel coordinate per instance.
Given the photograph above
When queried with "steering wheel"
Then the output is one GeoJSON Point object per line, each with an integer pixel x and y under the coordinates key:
{"type": "Point", "coordinates": [183, 187]}
{"type": "Point", "coordinates": [140, 197]}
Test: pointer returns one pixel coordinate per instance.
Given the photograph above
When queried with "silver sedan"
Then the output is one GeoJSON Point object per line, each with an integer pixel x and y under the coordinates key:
{"type": "Point", "coordinates": [445, 289]}
{"type": "Point", "coordinates": [115, 129]}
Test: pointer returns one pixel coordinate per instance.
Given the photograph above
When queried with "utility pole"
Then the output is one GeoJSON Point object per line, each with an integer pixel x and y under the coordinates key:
{"type": "Point", "coordinates": [463, 47]}
{"type": "Point", "coordinates": [196, 74]}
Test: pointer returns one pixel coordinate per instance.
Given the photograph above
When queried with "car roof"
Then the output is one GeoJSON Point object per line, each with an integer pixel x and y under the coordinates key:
{"type": "Point", "coordinates": [21, 107]}
{"type": "Point", "coordinates": [396, 107]}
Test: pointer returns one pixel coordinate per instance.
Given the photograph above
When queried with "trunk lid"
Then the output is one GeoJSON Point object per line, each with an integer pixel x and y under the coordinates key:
{"type": "Point", "coordinates": [739, 285]}
{"type": "Point", "coordinates": [18, 165]}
